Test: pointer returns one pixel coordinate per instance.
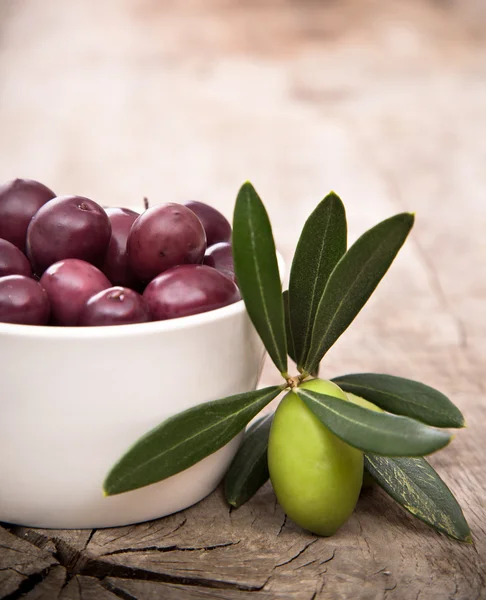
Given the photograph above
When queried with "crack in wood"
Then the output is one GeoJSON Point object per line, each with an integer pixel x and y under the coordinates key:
{"type": "Point", "coordinates": [93, 531]}
{"type": "Point", "coordinates": [382, 570]}
{"type": "Point", "coordinates": [311, 562]}
{"type": "Point", "coordinates": [326, 560]}
{"type": "Point", "coordinates": [287, 562]}
{"type": "Point", "coordinates": [284, 522]}
{"type": "Point", "coordinates": [14, 570]}
{"type": "Point", "coordinates": [323, 585]}
{"type": "Point", "coordinates": [77, 563]}
{"type": "Point", "coordinates": [100, 570]}
{"type": "Point", "coordinates": [179, 526]}
{"type": "Point", "coordinates": [110, 587]}
{"type": "Point", "coordinates": [174, 548]}
{"type": "Point", "coordinates": [29, 583]}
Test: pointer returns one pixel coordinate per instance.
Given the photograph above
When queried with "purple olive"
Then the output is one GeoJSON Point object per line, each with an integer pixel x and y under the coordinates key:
{"type": "Point", "coordinates": [114, 306]}
{"type": "Point", "coordinates": [220, 256]}
{"type": "Point", "coordinates": [162, 237]}
{"type": "Point", "coordinates": [69, 284]}
{"type": "Point", "coordinates": [115, 264]}
{"type": "Point", "coordinates": [13, 261]}
{"type": "Point", "coordinates": [216, 225]}
{"type": "Point", "coordinates": [188, 290]}
{"type": "Point", "coordinates": [23, 300]}
{"type": "Point", "coordinates": [20, 199]}
{"type": "Point", "coordinates": [67, 227]}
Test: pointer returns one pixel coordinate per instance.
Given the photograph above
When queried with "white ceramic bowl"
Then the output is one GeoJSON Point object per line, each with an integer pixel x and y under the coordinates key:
{"type": "Point", "coordinates": [74, 399]}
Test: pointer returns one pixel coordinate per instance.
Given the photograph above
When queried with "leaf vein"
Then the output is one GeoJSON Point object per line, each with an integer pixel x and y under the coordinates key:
{"type": "Point", "coordinates": [307, 331]}
{"type": "Point", "coordinates": [200, 432]}
{"type": "Point", "coordinates": [361, 273]}
{"type": "Point", "coordinates": [260, 284]}
{"type": "Point", "coordinates": [394, 395]}
{"type": "Point", "coordinates": [349, 419]}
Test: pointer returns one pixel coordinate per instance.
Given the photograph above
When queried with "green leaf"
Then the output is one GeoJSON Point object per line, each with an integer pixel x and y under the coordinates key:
{"type": "Point", "coordinates": [288, 330]}
{"type": "Point", "coordinates": [249, 469]}
{"type": "Point", "coordinates": [416, 486]}
{"type": "Point", "coordinates": [322, 243]}
{"type": "Point", "coordinates": [403, 397]}
{"type": "Point", "coordinates": [290, 339]}
{"type": "Point", "coordinates": [352, 282]}
{"type": "Point", "coordinates": [256, 270]}
{"type": "Point", "coordinates": [371, 431]}
{"type": "Point", "coordinates": [185, 439]}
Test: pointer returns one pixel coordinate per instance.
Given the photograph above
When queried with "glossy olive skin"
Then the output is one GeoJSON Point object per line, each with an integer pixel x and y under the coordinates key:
{"type": "Point", "coordinates": [114, 306]}
{"type": "Point", "coordinates": [316, 476]}
{"type": "Point", "coordinates": [220, 257]}
{"type": "Point", "coordinates": [20, 199]}
{"type": "Point", "coordinates": [69, 284]}
{"type": "Point", "coordinates": [188, 290]}
{"type": "Point", "coordinates": [362, 402]}
{"type": "Point", "coordinates": [23, 301]}
{"type": "Point", "coordinates": [13, 261]}
{"type": "Point", "coordinates": [162, 237]}
{"type": "Point", "coordinates": [67, 227]}
{"type": "Point", "coordinates": [215, 224]}
{"type": "Point", "coordinates": [115, 263]}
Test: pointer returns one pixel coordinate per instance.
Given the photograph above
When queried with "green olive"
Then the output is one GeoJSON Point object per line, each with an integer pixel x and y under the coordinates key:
{"type": "Point", "coordinates": [362, 402]}
{"type": "Point", "coordinates": [316, 476]}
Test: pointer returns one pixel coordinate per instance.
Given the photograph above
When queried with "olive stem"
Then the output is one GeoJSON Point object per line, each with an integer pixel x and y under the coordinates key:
{"type": "Point", "coordinates": [293, 382]}
{"type": "Point", "coordinates": [303, 376]}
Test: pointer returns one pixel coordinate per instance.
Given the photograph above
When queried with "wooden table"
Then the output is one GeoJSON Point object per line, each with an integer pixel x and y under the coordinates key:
{"type": "Point", "coordinates": [383, 102]}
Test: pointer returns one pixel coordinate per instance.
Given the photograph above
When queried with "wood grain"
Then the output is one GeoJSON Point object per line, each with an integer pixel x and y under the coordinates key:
{"type": "Point", "coordinates": [382, 102]}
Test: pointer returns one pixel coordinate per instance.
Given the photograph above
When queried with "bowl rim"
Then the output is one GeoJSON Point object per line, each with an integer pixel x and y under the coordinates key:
{"type": "Point", "coordinates": [132, 329]}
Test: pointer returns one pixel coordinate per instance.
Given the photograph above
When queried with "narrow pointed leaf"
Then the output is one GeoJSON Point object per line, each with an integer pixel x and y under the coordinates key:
{"type": "Point", "coordinates": [322, 243]}
{"type": "Point", "coordinates": [403, 397]}
{"type": "Point", "coordinates": [352, 282]}
{"type": "Point", "coordinates": [185, 439]}
{"type": "Point", "coordinates": [288, 330]}
{"type": "Point", "coordinates": [376, 432]}
{"type": "Point", "coordinates": [256, 270]}
{"type": "Point", "coordinates": [249, 469]}
{"type": "Point", "coordinates": [290, 339]}
{"type": "Point", "coordinates": [416, 486]}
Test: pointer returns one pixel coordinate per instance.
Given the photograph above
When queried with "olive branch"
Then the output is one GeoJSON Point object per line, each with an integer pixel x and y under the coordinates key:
{"type": "Point", "coordinates": [328, 286]}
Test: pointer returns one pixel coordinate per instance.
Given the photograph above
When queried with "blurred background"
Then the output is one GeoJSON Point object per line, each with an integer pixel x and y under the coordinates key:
{"type": "Point", "coordinates": [384, 102]}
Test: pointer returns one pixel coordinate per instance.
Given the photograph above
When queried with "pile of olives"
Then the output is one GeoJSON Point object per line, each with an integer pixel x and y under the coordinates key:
{"type": "Point", "coordinates": [67, 261]}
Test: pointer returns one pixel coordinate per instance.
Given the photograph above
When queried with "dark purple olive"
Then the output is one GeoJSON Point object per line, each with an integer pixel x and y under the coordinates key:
{"type": "Point", "coordinates": [67, 227]}
{"type": "Point", "coordinates": [115, 264]}
{"type": "Point", "coordinates": [13, 261]}
{"type": "Point", "coordinates": [69, 284]}
{"type": "Point", "coordinates": [216, 225]}
{"type": "Point", "coordinates": [20, 199]}
{"type": "Point", "coordinates": [114, 306]}
{"type": "Point", "coordinates": [220, 257]}
{"type": "Point", "coordinates": [162, 237]}
{"type": "Point", "coordinates": [188, 290]}
{"type": "Point", "coordinates": [23, 300]}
